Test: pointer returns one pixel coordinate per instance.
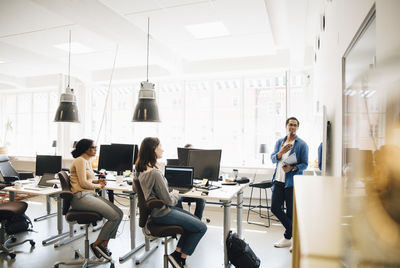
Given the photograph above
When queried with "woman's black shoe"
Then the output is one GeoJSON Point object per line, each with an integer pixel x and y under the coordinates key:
{"type": "Point", "coordinates": [104, 252]}
{"type": "Point", "coordinates": [95, 251]}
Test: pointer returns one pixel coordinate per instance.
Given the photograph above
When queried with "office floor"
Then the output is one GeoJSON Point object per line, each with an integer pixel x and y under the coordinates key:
{"type": "Point", "coordinates": [209, 252]}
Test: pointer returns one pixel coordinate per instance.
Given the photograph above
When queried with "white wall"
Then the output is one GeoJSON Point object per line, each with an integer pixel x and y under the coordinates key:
{"type": "Point", "coordinates": [343, 19]}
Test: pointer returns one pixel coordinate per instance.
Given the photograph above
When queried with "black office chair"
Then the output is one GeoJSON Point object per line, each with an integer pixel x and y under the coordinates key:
{"type": "Point", "coordinates": [9, 173]}
{"type": "Point", "coordinates": [7, 212]}
{"type": "Point", "coordinates": [260, 185]}
{"type": "Point", "coordinates": [81, 217]}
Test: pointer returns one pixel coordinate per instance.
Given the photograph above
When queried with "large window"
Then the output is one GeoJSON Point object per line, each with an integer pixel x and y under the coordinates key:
{"type": "Point", "coordinates": [26, 120]}
{"type": "Point", "coordinates": [235, 114]}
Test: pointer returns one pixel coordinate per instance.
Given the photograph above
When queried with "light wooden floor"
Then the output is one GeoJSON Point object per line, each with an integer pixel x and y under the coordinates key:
{"type": "Point", "coordinates": [208, 254]}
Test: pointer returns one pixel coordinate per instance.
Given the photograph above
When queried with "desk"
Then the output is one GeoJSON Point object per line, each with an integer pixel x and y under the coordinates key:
{"type": "Point", "coordinates": [317, 205]}
{"type": "Point", "coordinates": [224, 195]}
{"type": "Point", "coordinates": [46, 192]}
{"type": "Point", "coordinates": [31, 183]}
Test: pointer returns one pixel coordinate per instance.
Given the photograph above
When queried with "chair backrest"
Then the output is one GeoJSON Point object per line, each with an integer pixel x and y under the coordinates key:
{"type": "Point", "coordinates": [66, 194]}
{"type": "Point", "coordinates": [144, 211]}
{"type": "Point", "coordinates": [6, 168]}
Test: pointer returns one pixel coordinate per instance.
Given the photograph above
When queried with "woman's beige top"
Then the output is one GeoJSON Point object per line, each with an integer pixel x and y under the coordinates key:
{"type": "Point", "coordinates": [82, 176]}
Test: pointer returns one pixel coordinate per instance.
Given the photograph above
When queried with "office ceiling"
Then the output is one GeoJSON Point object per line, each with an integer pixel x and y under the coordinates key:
{"type": "Point", "coordinates": [259, 30]}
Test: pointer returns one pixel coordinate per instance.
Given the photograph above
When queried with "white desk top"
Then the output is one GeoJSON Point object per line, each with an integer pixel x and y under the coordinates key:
{"type": "Point", "coordinates": [111, 185]}
{"type": "Point", "coordinates": [319, 210]}
{"type": "Point", "coordinates": [121, 187]}
{"type": "Point", "coordinates": [23, 190]}
{"type": "Point", "coordinates": [225, 193]}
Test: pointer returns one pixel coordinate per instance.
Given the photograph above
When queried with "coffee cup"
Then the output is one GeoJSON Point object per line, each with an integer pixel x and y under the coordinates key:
{"type": "Point", "coordinates": [18, 185]}
{"type": "Point", "coordinates": [119, 179]}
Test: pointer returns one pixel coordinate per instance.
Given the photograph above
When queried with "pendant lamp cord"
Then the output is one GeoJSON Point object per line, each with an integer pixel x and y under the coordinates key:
{"type": "Point", "coordinates": [69, 58]}
{"type": "Point", "coordinates": [108, 94]}
{"type": "Point", "coordinates": [148, 51]}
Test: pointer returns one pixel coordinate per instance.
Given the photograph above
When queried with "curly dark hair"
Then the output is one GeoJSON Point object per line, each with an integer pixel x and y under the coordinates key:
{"type": "Point", "coordinates": [81, 147]}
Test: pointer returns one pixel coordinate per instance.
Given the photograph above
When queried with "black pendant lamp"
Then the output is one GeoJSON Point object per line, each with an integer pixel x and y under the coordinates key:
{"type": "Point", "coordinates": [146, 109]}
{"type": "Point", "coordinates": [67, 110]}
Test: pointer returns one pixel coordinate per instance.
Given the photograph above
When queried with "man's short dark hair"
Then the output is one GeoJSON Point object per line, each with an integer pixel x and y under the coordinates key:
{"type": "Point", "coordinates": [292, 118]}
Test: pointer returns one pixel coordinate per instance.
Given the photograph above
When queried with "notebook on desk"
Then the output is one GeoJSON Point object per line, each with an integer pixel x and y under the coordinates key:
{"type": "Point", "coordinates": [179, 178]}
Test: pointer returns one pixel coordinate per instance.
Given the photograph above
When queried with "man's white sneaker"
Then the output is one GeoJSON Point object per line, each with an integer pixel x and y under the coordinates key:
{"type": "Point", "coordinates": [283, 243]}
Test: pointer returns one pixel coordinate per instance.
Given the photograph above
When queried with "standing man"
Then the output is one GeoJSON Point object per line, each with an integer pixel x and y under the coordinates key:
{"type": "Point", "coordinates": [282, 189]}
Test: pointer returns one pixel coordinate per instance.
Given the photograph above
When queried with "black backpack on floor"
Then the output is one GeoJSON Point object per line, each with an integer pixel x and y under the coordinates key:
{"type": "Point", "coordinates": [19, 223]}
{"type": "Point", "coordinates": [240, 253]}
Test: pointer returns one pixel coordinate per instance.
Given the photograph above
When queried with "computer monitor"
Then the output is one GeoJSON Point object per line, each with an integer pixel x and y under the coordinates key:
{"type": "Point", "coordinates": [48, 164]}
{"type": "Point", "coordinates": [117, 157]}
{"type": "Point", "coordinates": [183, 154]}
{"type": "Point", "coordinates": [206, 163]}
{"type": "Point", "coordinates": [135, 150]}
{"type": "Point", "coordinates": [172, 162]}
{"type": "Point", "coordinates": [179, 176]}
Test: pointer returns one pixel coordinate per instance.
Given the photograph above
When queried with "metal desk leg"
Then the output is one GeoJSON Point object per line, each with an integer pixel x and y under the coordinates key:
{"type": "Point", "coordinates": [59, 225]}
{"type": "Point", "coordinates": [239, 212]}
{"type": "Point", "coordinates": [148, 251]}
{"type": "Point", "coordinates": [132, 214]}
{"type": "Point", "coordinates": [227, 227]}
{"type": "Point", "coordinates": [71, 237]}
{"type": "Point", "coordinates": [11, 196]}
{"type": "Point", "coordinates": [48, 209]}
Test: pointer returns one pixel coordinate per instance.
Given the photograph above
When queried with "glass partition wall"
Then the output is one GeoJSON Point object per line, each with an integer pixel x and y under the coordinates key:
{"type": "Point", "coordinates": [371, 153]}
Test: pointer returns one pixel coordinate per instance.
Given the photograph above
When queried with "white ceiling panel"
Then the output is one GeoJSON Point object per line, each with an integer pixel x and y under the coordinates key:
{"type": "Point", "coordinates": [29, 29]}
{"type": "Point", "coordinates": [242, 31]}
{"type": "Point", "coordinates": [23, 16]}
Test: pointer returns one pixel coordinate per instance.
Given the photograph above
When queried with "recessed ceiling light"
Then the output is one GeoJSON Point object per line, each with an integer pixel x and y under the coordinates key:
{"type": "Point", "coordinates": [76, 47]}
{"type": "Point", "coordinates": [207, 30]}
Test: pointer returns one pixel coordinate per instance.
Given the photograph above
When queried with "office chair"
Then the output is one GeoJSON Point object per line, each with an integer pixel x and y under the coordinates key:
{"type": "Point", "coordinates": [7, 212]}
{"type": "Point", "coordinates": [81, 217]}
{"type": "Point", "coordinates": [9, 173]}
{"type": "Point", "coordinates": [260, 185]}
{"type": "Point", "coordinates": [154, 229]}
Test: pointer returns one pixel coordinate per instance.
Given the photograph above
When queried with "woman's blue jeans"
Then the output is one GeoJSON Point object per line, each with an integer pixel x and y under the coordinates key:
{"type": "Point", "coordinates": [194, 229]}
{"type": "Point", "coordinates": [200, 204]}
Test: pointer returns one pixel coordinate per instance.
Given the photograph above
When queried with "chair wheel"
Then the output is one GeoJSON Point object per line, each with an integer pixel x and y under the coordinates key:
{"type": "Point", "coordinates": [208, 220]}
{"type": "Point", "coordinates": [13, 239]}
{"type": "Point", "coordinates": [32, 243]}
{"type": "Point", "coordinates": [56, 266]}
{"type": "Point", "coordinates": [76, 255]}
{"type": "Point", "coordinates": [12, 255]}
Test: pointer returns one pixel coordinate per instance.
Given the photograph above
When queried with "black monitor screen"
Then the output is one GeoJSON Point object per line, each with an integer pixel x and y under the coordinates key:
{"type": "Point", "coordinates": [179, 176]}
{"type": "Point", "coordinates": [206, 163]}
{"type": "Point", "coordinates": [183, 154]}
{"type": "Point", "coordinates": [117, 157]}
{"type": "Point", "coordinates": [48, 164]}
